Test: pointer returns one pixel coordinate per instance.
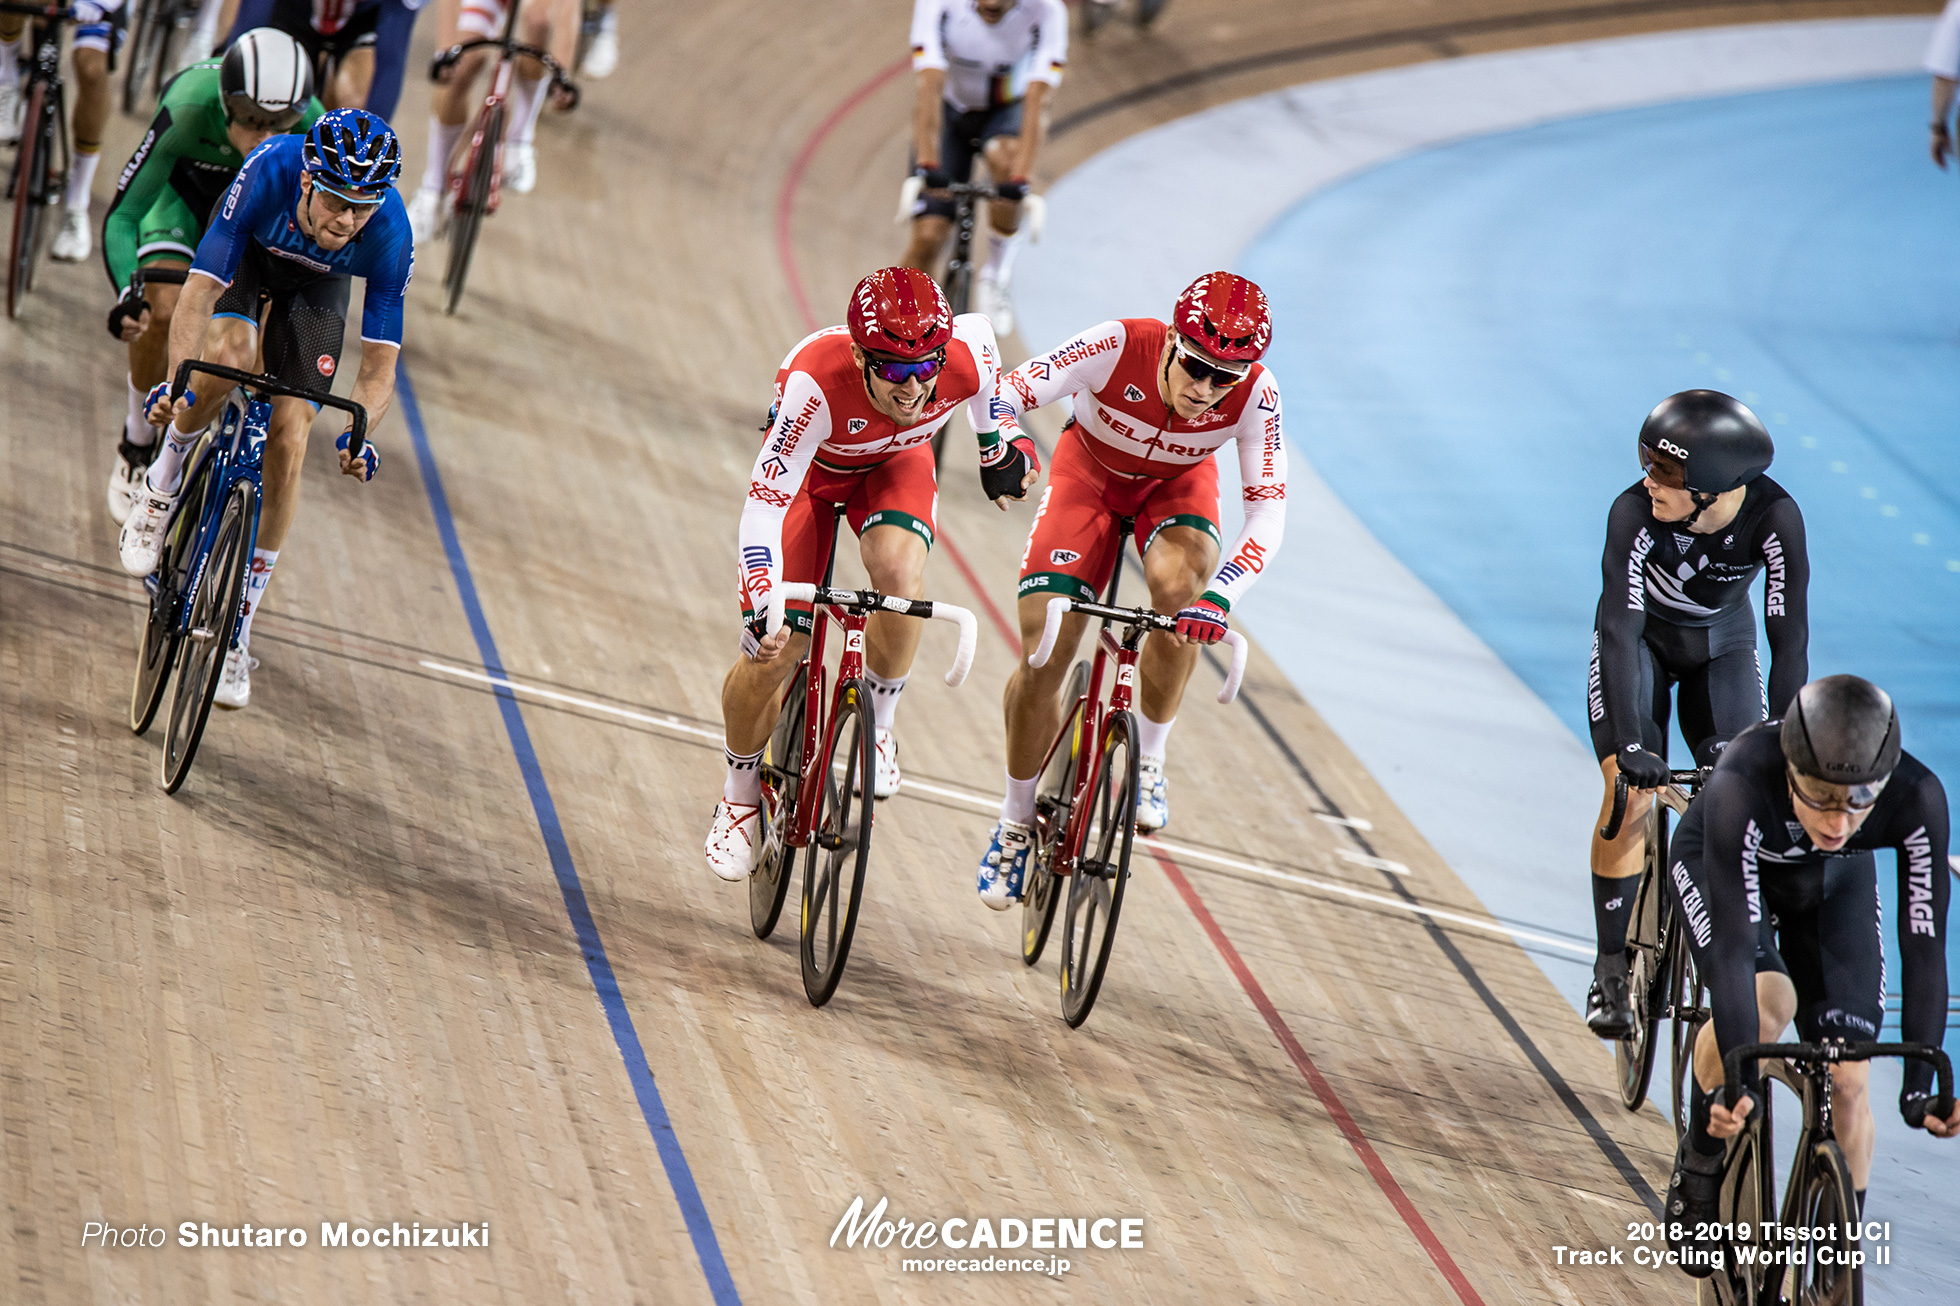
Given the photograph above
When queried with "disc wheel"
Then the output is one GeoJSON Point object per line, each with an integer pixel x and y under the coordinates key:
{"type": "Point", "coordinates": [1095, 885]}
{"type": "Point", "coordinates": [840, 845]}
{"type": "Point", "coordinates": [161, 632]}
{"type": "Point", "coordinates": [782, 766]}
{"type": "Point", "coordinates": [1051, 809]}
{"type": "Point", "coordinates": [474, 201]}
{"type": "Point", "coordinates": [31, 164]}
{"type": "Point", "coordinates": [1633, 1056]}
{"type": "Point", "coordinates": [1828, 1201]}
{"type": "Point", "coordinates": [213, 619]}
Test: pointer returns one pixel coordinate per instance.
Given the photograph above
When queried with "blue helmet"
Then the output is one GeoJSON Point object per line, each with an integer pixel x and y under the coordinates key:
{"type": "Point", "coordinates": [352, 150]}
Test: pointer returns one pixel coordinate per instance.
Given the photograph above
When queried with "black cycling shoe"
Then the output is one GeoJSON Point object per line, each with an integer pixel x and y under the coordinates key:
{"type": "Point", "coordinates": [1609, 1006]}
{"type": "Point", "coordinates": [1694, 1199]}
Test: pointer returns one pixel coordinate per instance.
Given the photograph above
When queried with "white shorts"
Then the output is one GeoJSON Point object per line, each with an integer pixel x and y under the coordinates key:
{"type": "Point", "coordinates": [99, 25]}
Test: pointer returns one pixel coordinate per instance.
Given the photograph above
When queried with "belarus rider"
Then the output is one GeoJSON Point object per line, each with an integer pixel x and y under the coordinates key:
{"type": "Point", "coordinates": [212, 116]}
{"type": "Point", "coordinates": [1682, 548]}
{"type": "Point", "coordinates": [1152, 403]}
{"type": "Point", "coordinates": [1773, 871]}
{"type": "Point", "coordinates": [983, 69]}
{"type": "Point", "coordinates": [303, 217]}
{"type": "Point", "coordinates": [851, 431]}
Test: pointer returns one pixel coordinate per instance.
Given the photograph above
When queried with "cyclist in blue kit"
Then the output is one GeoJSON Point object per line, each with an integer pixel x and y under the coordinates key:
{"type": "Point", "coordinates": [302, 218]}
{"type": "Point", "coordinates": [1683, 546]}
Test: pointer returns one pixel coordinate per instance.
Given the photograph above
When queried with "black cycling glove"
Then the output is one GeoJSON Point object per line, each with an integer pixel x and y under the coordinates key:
{"type": "Point", "coordinates": [1643, 770]}
{"type": "Point", "coordinates": [132, 304]}
{"type": "Point", "coordinates": [1005, 464]}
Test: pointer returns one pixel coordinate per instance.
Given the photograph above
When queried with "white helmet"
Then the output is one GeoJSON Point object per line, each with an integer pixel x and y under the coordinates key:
{"type": "Point", "coordinates": [266, 79]}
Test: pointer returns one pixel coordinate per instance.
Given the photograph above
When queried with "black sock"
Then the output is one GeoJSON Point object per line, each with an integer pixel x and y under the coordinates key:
{"type": "Point", "coordinates": [1612, 910]}
{"type": "Point", "coordinates": [1698, 1136]}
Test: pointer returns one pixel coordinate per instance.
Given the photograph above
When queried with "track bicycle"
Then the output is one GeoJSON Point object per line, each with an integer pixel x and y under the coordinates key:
{"type": "Point", "coordinates": [1808, 1251]}
{"type": "Point", "coordinates": [158, 30]}
{"type": "Point", "coordinates": [42, 158]}
{"type": "Point", "coordinates": [1661, 977]}
{"type": "Point", "coordinates": [817, 776]}
{"type": "Point", "coordinates": [1085, 816]}
{"type": "Point", "coordinates": [197, 593]}
{"type": "Point", "coordinates": [476, 188]}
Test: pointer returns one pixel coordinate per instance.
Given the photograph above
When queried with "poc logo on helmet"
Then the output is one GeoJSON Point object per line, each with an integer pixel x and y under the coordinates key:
{"type": "Point", "coordinates": [1668, 446]}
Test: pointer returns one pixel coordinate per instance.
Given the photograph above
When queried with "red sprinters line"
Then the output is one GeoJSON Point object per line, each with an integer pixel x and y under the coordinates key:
{"type": "Point", "coordinates": [786, 197]}
{"type": "Point", "coordinates": [1318, 1082]}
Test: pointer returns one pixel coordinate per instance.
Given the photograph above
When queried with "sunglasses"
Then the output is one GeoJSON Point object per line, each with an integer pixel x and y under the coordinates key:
{"type": "Point", "coordinates": [897, 371]}
{"type": "Point", "coordinates": [1199, 368]}
{"type": "Point", "coordinates": [340, 201]}
{"type": "Point", "coordinates": [1834, 798]}
{"type": "Point", "coordinates": [1662, 469]}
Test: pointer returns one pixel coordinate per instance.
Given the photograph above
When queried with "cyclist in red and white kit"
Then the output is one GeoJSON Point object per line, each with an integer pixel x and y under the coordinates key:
{"type": "Point", "coordinates": [851, 432]}
{"type": "Point", "coordinates": [1152, 402]}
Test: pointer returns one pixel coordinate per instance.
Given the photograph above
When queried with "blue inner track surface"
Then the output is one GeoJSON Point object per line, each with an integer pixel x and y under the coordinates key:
{"type": "Point", "coordinates": [1472, 334]}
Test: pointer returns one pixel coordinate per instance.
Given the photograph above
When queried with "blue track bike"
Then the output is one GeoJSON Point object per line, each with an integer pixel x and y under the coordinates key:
{"type": "Point", "coordinates": [197, 594]}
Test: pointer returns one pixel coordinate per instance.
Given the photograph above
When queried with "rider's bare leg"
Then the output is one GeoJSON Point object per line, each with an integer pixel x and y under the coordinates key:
{"type": "Point", "coordinates": [149, 353]}
{"type": "Point", "coordinates": [1180, 560]}
{"type": "Point", "coordinates": [352, 79]}
{"type": "Point", "coordinates": [1032, 703]}
{"type": "Point", "coordinates": [229, 342]}
{"type": "Point", "coordinates": [91, 119]}
{"type": "Point", "coordinates": [929, 233]}
{"type": "Point", "coordinates": [895, 560]}
{"type": "Point", "coordinates": [1615, 866]}
{"type": "Point", "coordinates": [751, 700]}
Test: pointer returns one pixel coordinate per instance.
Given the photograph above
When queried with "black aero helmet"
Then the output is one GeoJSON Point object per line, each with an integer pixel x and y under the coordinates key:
{"type": "Point", "coordinates": [1704, 441]}
{"type": "Point", "coordinates": [1843, 730]}
{"type": "Point", "coordinates": [266, 80]}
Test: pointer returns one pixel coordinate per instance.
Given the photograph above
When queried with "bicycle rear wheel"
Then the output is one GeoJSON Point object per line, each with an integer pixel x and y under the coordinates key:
{"type": "Point", "coordinates": [213, 620]}
{"type": "Point", "coordinates": [1745, 1203]}
{"type": "Point", "coordinates": [31, 164]}
{"type": "Point", "coordinates": [1689, 1017]}
{"type": "Point", "coordinates": [1828, 1200]}
{"type": "Point", "coordinates": [840, 845]}
{"type": "Point", "coordinates": [479, 172]}
{"type": "Point", "coordinates": [1633, 1056]}
{"type": "Point", "coordinates": [782, 767]}
{"type": "Point", "coordinates": [1095, 890]}
{"type": "Point", "coordinates": [161, 632]}
{"type": "Point", "coordinates": [1051, 808]}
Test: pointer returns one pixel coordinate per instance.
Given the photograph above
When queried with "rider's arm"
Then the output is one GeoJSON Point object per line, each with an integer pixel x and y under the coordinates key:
{"type": "Point", "coordinates": [374, 388]}
{"type": "Point", "coordinates": [143, 179]}
{"type": "Point", "coordinates": [1262, 473]}
{"type": "Point", "coordinates": [192, 316]}
{"type": "Point", "coordinates": [392, 29]}
{"type": "Point", "coordinates": [1084, 362]}
{"type": "Point", "coordinates": [1622, 619]}
{"type": "Point", "coordinates": [1920, 831]}
{"type": "Point", "coordinates": [1044, 75]}
{"type": "Point", "coordinates": [1786, 602]}
{"type": "Point", "coordinates": [801, 425]}
{"type": "Point", "coordinates": [993, 418]}
{"type": "Point", "coordinates": [1728, 812]}
{"type": "Point", "coordinates": [929, 73]}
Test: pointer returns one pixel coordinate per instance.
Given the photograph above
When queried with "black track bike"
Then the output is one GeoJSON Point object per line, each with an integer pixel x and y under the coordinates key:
{"type": "Point", "coordinates": [41, 160]}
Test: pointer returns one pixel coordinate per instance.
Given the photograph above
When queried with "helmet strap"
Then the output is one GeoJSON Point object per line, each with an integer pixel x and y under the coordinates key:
{"type": "Point", "coordinates": [1703, 502]}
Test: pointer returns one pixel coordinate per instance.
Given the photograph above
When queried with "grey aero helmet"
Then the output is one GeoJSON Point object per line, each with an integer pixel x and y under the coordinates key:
{"type": "Point", "coordinates": [266, 80]}
{"type": "Point", "coordinates": [1843, 730]}
{"type": "Point", "coordinates": [1705, 442]}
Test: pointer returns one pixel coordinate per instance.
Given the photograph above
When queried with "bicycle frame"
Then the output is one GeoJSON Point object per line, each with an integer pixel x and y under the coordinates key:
{"type": "Point", "coordinates": [1093, 712]}
{"type": "Point", "coordinates": [499, 94]}
{"type": "Point", "coordinates": [850, 667]}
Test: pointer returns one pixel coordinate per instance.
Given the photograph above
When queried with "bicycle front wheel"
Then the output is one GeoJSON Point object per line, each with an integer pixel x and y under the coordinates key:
{"type": "Point", "coordinates": [1830, 1274]}
{"type": "Point", "coordinates": [161, 630]}
{"type": "Point", "coordinates": [1095, 889]}
{"type": "Point", "coordinates": [1633, 1056]}
{"type": "Point", "coordinates": [31, 163]}
{"type": "Point", "coordinates": [1052, 797]}
{"type": "Point", "coordinates": [213, 620]}
{"type": "Point", "coordinates": [782, 769]}
{"type": "Point", "coordinates": [479, 176]}
{"type": "Point", "coordinates": [840, 845]}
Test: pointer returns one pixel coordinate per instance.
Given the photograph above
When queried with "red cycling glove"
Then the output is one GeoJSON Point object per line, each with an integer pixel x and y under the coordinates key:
{"type": "Point", "coordinates": [1203, 621]}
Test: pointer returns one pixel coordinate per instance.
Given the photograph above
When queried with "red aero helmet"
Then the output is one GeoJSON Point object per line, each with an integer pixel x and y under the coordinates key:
{"type": "Point", "coordinates": [1226, 316]}
{"type": "Point", "coordinates": [900, 312]}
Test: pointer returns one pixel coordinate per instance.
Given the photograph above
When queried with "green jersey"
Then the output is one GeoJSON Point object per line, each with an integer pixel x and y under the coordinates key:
{"type": "Point", "coordinates": [177, 175]}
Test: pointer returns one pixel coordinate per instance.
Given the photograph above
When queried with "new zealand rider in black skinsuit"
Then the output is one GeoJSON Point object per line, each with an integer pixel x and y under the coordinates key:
{"type": "Point", "coordinates": [1778, 889]}
{"type": "Point", "coordinates": [1682, 547]}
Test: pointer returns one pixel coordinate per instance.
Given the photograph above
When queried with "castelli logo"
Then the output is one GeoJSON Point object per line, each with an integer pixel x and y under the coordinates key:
{"type": "Point", "coordinates": [326, 364]}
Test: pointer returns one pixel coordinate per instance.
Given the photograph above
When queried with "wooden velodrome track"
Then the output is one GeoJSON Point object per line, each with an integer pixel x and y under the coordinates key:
{"type": "Point", "coordinates": [405, 950]}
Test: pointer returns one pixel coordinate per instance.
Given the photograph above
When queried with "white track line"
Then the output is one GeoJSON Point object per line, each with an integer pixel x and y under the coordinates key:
{"type": "Point", "coordinates": [981, 800]}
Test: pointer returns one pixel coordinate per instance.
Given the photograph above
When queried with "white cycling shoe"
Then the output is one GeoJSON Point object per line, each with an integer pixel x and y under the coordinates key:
{"type": "Point", "coordinates": [521, 168]}
{"type": "Point", "coordinates": [12, 109]}
{"type": "Point", "coordinates": [235, 681]}
{"type": "Point", "coordinates": [602, 56]}
{"type": "Point", "coordinates": [425, 215]}
{"type": "Point", "coordinates": [141, 541]}
{"type": "Point", "coordinates": [884, 764]}
{"type": "Point", "coordinates": [731, 839]}
{"type": "Point", "coordinates": [126, 481]}
{"type": "Point", "coordinates": [73, 242]}
{"type": "Point", "coordinates": [1153, 797]}
{"type": "Point", "coordinates": [991, 302]}
{"type": "Point", "coordinates": [1004, 868]}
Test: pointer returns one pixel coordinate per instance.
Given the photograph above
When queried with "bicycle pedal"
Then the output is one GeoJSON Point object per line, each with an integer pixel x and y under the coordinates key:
{"type": "Point", "coordinates": [201, 634]}
{"type": "Point", "coordinates": [830, 843]}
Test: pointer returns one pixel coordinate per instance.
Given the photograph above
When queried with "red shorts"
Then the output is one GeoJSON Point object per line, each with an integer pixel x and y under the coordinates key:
{"type": "Point", "coordinates": [901, 491]}
{"type": "Point", "coordinates": [1075, 544]}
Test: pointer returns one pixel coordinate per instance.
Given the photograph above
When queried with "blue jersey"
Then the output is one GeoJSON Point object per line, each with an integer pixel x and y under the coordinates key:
{"type": "Point", "coordinates": [263, 205]}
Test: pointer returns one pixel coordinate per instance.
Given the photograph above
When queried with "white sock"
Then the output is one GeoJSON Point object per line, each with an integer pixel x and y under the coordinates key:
{"type": "Point", "coordinates": [1151, 736]}
{"type": "Point", "coordinates": [81, 176]}
{"type": "Point", "coordinates": [995, 268]}
{"type": "Point", "coordinates": [442, 143]}
{"type": "Point", "coordinates": [1018, 806]}
{"type": "Point", "coordinates": [744, 782]}
{"type": "Point", "coordinates": [884, 697]}
{"type": "Point", "coordinates": [526, 103]}
{"type": "Point", "coordinates": [255, 582]}
{"type": "Point", "coordinates": [167, 469]}
{"type": "Point", "coordinates": [136, 427]}
{"type": "Point", "coordinates": [10, 61]}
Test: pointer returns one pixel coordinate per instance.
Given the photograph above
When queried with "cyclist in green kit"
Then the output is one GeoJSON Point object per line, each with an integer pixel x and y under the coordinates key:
{"type": "Point", "coordinates": [212, 115]}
